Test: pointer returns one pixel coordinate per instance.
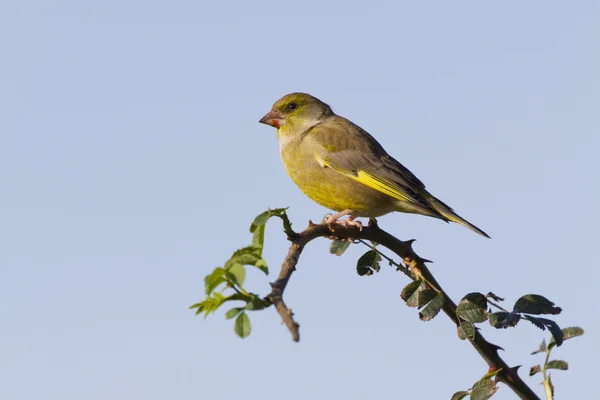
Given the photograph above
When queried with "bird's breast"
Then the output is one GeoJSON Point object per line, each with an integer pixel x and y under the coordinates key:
{"type": "Point", "coordinates": [329, 188]}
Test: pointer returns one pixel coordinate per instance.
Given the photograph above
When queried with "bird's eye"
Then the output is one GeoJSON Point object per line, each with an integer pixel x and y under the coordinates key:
{"type": "Point", "coordinates": [292, 106]}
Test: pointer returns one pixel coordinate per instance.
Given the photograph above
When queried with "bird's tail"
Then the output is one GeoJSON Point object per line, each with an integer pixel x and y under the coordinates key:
{"type": "Point", "coordinates": [447, 212]}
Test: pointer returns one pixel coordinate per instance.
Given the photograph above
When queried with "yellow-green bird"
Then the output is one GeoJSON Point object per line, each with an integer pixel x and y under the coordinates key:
{"type": "Point", "coordinates": [342, 167]}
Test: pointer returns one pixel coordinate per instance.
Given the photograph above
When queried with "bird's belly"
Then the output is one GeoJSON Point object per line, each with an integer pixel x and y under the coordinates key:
{"type": "Point", "coordinates": [338, 192]}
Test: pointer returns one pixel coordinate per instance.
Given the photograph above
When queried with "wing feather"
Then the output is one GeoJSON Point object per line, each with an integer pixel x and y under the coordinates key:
{"type": "Point", "coordinates": [348, 149]}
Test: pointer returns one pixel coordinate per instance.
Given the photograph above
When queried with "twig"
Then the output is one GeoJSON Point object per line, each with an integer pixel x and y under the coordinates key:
{"type": "Point", "coordinates": [299, 240]}
{"type": "Point", "coordinates": [399, 267]}
{"type": "Point", "coordinates": [498, 306]}
{"type": "Point", "coordinates": [547, 384]}
{"type": "Point", "coordinates": [487, 350]}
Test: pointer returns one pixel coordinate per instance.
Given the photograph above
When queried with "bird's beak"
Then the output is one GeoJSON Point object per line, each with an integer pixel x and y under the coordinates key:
{"type": "Point", "coordinates": [274, 118]}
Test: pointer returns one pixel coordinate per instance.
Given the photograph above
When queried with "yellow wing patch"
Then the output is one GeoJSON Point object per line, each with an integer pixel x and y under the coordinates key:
{"type": "Point", "coordinates": [375, 182]}
{"type": "Point", "coordinates": [370, 180]}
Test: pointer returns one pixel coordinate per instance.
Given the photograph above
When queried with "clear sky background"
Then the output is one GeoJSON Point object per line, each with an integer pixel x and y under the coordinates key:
{"type": "Point", "coordinates": [132, 163]}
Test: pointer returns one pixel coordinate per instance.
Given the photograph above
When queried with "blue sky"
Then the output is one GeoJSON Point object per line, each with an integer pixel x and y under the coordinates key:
{"type": "Point", "coordinates": [132, 163]}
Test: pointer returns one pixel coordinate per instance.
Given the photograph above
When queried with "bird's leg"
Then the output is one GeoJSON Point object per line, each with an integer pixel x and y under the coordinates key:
{"type": "Point", "coordinates": [335, 217]}
{"type": "Point", "coordinates": [350, 221]}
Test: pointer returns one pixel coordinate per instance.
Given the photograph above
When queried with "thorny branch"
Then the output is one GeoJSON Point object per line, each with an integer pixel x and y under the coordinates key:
{"type": "Point", "coordinates": [416, 264]}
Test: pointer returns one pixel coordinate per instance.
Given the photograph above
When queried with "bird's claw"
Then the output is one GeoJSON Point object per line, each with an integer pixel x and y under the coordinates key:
{"type": "Point", "coordinates": [348, 222]}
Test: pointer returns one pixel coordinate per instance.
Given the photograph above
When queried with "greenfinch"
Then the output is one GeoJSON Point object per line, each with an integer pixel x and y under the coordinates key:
{"type": "Point", "coordinates": [342, 167]}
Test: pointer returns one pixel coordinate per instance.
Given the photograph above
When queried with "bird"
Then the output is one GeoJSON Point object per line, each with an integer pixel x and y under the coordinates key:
{"type": "Point", "coordinates": [342, 167]}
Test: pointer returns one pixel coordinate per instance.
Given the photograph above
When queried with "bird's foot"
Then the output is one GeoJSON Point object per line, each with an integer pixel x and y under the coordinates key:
{"type": "Point", "coordinates": [348, 222]}
{"type": "Point", "coordinates": [330, 218]}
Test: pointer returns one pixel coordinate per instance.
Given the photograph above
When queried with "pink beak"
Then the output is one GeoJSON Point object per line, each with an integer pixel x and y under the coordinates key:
{"type": "Point", "coordinates": [273, 118]}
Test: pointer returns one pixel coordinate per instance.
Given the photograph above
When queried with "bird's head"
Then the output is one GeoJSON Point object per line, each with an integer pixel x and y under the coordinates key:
{"type": "Point", "coordinates": [294, 113]}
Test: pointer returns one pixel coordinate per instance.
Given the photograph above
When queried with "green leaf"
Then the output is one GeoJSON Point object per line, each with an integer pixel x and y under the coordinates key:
{"type": "Point", "coordinates": [239, 296]}
{"type": "Point", "coordinates": [542, 347]}
{"type": "Point", "coordinates": [543, 323]}
{"type": "Point", "coordinates": [571, 332]}
{"type": "Point", "coordinates": [557, 364]}
{"type": "Point", "coordinates": [212, 281]}
{"type": "Point", "coordinates": [338, 247]}
{"type": "Point", "coordinates": [262, 218]}
{"type": "Point", "coordinates": [554, 329]}
{"type": "Point", "coordinates": [459, 395]}
{"type": "Point", "coordinates": [257, 304]}
{"type": "Point", "coordinates": [483, 390]}
{"type": "Point", "coordinates": [210, 304]}
{"type": "Point", "coordinates": [368, 262]}
{"type": "Point", "coordinates": [262, 265]}
{"type": "Point", "coordinates": [198, 306]}
{"type": "Point", "coordinates": [233, 313]}
{"type": "Point", "coordinates": [491, 374]}
{"type": "Point", "coordinates": [473, 308]}
{"type": "Point", "coordinates": [367, 259]}
{"type": "Point", "coordinates": [362, 271]}
{"type": "Point", "coordinates": [239, 272]}
{"type": "Point", "coordinates": [483, 383]}
{"type": "Point", "coordinates": [551, 386]}
{"type": "Point", "coordinates": [466, 330]}
{"type": "Point", "coordinates": [410, 292]}
{"type": "Point", "coordinates": [433, 308]}
{"type": "Point", "coordinates": [568, 333]}
{"type": "Point", "coordinates": [242, 326]}
{"type": "Point", "coordinates": [504, 319]}
{"type": "Point", "coordinates": [258, 237]}
{"type": "Point", "coordinates": [249, 255]}
{"type": "Point", "coordinates": [535, 304]}
{"type": "Point", "coordinates": [535, 321]}
{"type": "Point", "coordinates": [258, 226]}
{"type": "Point", "coordinates": [425, 296]}
{"type": "Point", "coordinates": [534, 370]}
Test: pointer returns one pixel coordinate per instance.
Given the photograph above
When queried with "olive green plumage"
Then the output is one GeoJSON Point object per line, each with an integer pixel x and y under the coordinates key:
{"type": "Point", "coordinates": [342, 167]}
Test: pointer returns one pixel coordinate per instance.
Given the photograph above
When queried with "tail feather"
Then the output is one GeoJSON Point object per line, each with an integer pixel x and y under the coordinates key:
{"type": "Point", "coordinates": [448, 213]}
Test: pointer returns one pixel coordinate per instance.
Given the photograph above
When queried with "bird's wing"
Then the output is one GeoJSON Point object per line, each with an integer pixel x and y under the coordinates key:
{"type": "Point", "coordinates": [348, 149]}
